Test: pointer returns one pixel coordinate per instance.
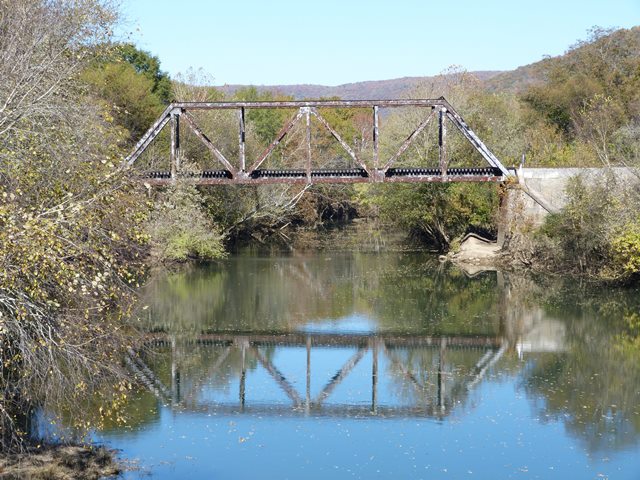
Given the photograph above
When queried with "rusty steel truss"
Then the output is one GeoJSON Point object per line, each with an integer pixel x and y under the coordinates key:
{"type": "Point", "coordinates": [381, 169]}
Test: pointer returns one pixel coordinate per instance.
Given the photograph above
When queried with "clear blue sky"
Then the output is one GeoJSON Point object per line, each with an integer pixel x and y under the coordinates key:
{"type": "Point", "coordinates": [332, 42]}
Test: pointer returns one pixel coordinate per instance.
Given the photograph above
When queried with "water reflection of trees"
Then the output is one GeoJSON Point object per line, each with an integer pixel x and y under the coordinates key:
{"type": "Point", "coordinates": [399, 292]}
{"type": "Point", "coordinates": [594, 389]}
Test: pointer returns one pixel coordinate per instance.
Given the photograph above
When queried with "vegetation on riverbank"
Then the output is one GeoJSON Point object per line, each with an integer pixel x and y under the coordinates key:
{"type": "Point", "coordinates": [596, 234]}
{"type": "Point", "coordinates": [580, 111]}
{"type": "Point", "coordinates": [72, 229]}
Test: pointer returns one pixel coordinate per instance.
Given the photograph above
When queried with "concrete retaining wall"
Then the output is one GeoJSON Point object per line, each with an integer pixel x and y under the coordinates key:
{"type": "Point", "coordinates": [547, 186]}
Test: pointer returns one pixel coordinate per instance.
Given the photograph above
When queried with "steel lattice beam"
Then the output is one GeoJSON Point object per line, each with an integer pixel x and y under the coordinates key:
{"type": "Point", "coordinates": [371, 173]}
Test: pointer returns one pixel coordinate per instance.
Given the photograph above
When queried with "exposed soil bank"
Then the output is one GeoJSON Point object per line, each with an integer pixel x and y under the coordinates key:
{"type": "Point", "coordinates": [477, 251]}
{"type": "Point", "coordinates": [62, 462]}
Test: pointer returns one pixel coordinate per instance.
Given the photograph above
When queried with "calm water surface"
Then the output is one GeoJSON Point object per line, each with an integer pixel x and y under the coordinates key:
{"type": "Point", "coordinates": [389, 365]}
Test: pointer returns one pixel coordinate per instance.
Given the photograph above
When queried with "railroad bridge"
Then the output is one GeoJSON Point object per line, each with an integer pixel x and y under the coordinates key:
{"type": "Point", "coordinates": [245, 170]}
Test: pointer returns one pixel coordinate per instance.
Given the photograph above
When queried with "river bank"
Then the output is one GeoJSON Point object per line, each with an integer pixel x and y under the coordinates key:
{"type": "Point", "coordinates": [61, 462]}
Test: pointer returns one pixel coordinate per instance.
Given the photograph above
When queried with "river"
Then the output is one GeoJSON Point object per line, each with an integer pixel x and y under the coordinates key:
{"type": "Point", "coordinates": [380, 365]}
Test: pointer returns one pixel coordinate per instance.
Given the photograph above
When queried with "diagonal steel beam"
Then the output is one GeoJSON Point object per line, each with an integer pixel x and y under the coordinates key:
{"type": "Point", "coordinates": [148, 137]}
{"type": "Point", "coordinates": [208, 373]}
{"type": "Point", "coordinates": [278, 377]}
{"type": "Point", "coordinates": [204, 139]}
{"type": "Point", "coordinates": [277, 140]}
{"type": "Point", "coordinates": [470, 135]}
{"type": "Point", "coordinates": [146, 375]}
{"type": "Point", "coordinates": [337, 136]}
{"type": "Point", "coordinates": [340, 375]}
{"type": "Point", "coordinates": [395, 361]}
{"type": "Point", "coordinates": [408, 141]}
{"type": "Point", "coordinates": [485, 364]}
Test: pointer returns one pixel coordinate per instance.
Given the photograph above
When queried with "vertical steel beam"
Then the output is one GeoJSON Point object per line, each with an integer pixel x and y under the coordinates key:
{"type": "Point", "coordinates": [375, 138]}
{"type": "Point", "coordinates": [175, 374]}
{"type": "Point", "coordinates": [243, 376]}
{"type": "Point", "coordinates": [308, 134]}
{"type": "Point", "coordinates": [442, 141]}
{"type": "Point", "coordinates": [374, 377]}
{"type": "Point", "coordinates": [307, 403]}
{"type": "Point", "coordinates": [175, 144]}
{"type": "Point", "coordinates": [241, 139]}
{"type": "Point", "coordinates": [441, 379]}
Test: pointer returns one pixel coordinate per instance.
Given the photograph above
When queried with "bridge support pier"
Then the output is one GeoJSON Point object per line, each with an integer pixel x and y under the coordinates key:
{"type": "Point", "coordinates": [504, 213]}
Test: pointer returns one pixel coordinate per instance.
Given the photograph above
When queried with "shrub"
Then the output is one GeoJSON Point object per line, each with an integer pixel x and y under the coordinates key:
{"type": "Point", "coordinates": [626, 248]}
{"type": "Point", "coordinates": [180, 229]}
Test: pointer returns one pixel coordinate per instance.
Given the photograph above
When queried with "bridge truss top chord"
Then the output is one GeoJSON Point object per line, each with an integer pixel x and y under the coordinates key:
{"type": "Point", "coordinates": [378, 170]}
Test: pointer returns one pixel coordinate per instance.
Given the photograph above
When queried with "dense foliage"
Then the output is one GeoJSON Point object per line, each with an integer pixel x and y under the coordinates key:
{"type": "Point", "coordinates": [590, 97]}
{"type": "Point", "coordinates": [131, 85]}
{"type": "Point", "coordinates": [180, 229]}
{"type": "Point", "coordinates": [72, 239]}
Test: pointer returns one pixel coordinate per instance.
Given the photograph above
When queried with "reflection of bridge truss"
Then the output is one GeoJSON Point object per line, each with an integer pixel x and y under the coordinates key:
{"type": "Point", "coordinates": [437, 399]}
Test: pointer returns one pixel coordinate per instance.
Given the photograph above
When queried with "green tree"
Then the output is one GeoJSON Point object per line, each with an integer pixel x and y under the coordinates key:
{"type": "Point", "coordinates": [179, 228]}
{"type": "Point", "coordinates": [128, 94]}
{"type": "Point", "coordinates": [149, 66]}
{"type": "Point", "coordinates": [72, 243]}
{"type": "Point", "coordinates": [605, 65]}
{"type": "Point", "coordinates": [437, 213]}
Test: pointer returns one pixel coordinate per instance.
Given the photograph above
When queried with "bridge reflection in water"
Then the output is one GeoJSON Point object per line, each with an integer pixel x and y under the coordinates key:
{"type": "Point", "coordinates": [422, 376]}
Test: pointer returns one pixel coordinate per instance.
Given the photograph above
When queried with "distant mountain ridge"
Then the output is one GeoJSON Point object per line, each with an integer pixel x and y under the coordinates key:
{"type": "Point", "coordinates": [368, 90]}
{"type": "Point", "coordinates": [515, 81]}
{"type": "Point", "coordinates": [622, 42]}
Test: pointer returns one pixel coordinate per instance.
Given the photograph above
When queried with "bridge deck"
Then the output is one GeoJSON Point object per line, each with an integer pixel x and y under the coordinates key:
{"type": "Point", "coordinates": [351, 175]}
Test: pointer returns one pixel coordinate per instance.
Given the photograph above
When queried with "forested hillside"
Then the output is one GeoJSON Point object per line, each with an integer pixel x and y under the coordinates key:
{"type": "Point", "coordinates": [369, 90]}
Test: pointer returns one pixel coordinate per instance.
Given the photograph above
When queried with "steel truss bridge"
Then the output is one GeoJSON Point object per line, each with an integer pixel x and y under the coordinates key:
{"type": "Point", "coordinates": [444, 388]}
{"type": "Point", "coordinates": [244, 170]}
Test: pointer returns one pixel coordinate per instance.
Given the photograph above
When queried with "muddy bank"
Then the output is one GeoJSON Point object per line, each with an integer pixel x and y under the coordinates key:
{"type": "Point", "coordinates": [61, 462]}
